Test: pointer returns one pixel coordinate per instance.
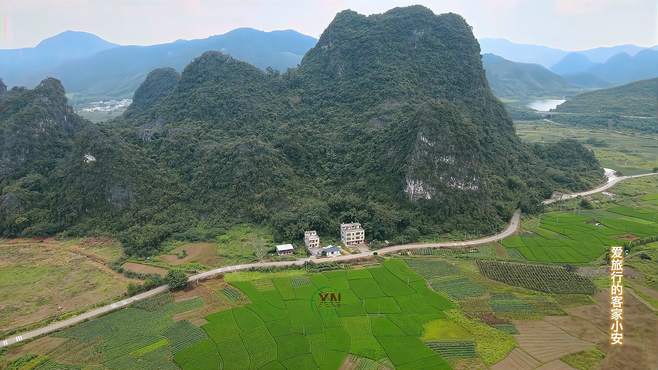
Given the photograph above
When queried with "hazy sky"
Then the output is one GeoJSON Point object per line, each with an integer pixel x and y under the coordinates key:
{"type": "Point", "coordinates": [566, 24]}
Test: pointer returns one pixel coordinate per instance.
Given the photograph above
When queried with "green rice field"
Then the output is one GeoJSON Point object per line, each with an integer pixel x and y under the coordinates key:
{"type": "Point", "coordinates": [376, 313]}
{"type": "Point", "coordinates": [582, 235]}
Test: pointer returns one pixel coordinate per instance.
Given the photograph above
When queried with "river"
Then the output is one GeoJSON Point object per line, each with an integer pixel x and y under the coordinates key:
{"type": "Point", "coordinates": [545, 105]}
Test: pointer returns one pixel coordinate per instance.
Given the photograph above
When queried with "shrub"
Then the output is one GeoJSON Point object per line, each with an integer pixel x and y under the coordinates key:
{"type": "Point", "coordinates": [176, 279]}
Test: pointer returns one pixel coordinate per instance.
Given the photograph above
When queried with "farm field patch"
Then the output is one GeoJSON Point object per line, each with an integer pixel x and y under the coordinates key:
{"type": "Point", "coordinates": [239, 244]}
{"type": "Point", "coordinates": [549, 279]}
{"type": "Point", "coordinates": [316, 320]}
{"type": "Point", "coordinates": [41, 279]}
{"type": "Point", "coordinates": [629, 152]}
{"type": "Point", "coordinates": [581, 235]}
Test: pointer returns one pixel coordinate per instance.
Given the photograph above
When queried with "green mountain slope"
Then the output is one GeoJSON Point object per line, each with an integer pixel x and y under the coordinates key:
{"type": "Point", "coordinates": [522, 80]}
{"type": "Point", "coordinates": [633, 107]}
{"type": "Point", "coordinates": [389, 121]}
{"type": "Point", "coordinates": [635, 99]}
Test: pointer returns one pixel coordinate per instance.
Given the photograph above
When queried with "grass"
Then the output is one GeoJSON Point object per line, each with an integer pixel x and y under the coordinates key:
{"type": "Point", "coordinates": [628, 152]}
{"type": "Point", "coordinates": [42, 280]}
{"type": "Point", "coordinates": [443, 329]}
{"type": "Point", "coordinates": [585, 360]}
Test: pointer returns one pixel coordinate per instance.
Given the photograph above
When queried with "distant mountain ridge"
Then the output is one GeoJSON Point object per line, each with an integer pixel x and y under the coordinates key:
{"type": "Point", "coordinates": [547, 56]}
{"type": "Point", "coordinates": [117, 71]}
{"type": "Point", "coordinates": [17, 66]}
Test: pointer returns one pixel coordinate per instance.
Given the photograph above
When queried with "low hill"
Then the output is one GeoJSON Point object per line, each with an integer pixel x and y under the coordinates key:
{"type": "Point", "coordinates": [396, 129]}
{"type": "Point", "coordinates": [572, 63]}
{"type": "Point", "coordinates": [522, 80]}
{"type": "Point", "coordinates": [635, 99]}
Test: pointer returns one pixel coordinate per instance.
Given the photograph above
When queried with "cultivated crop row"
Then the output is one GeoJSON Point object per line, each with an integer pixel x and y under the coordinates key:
{"type": "Point", "coordinates": [550, 279]}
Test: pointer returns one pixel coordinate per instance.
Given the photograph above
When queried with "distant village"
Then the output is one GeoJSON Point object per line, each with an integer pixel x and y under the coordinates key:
{"type": "Point", "coordinates": [351, 235]}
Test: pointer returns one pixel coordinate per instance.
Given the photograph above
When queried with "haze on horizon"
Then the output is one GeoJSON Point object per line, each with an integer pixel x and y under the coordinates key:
{"type": "Point", "coordinates": [564, 24]}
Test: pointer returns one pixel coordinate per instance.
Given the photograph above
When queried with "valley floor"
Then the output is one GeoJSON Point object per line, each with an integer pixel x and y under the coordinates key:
{"type": "Point", "coordinates": [469, 329]}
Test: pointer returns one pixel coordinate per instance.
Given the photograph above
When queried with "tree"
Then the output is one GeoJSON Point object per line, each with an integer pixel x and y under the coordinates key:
{"type": "Point", "coordinates": [586, 204]}
{"type": "Point", "coordinates": [176, 279]}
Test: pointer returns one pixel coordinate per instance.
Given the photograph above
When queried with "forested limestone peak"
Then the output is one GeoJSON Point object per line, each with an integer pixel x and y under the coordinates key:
{"type": "Point", "coordinates": [388, 121]}
{"type": "Point", "coordinates": [158, 84]}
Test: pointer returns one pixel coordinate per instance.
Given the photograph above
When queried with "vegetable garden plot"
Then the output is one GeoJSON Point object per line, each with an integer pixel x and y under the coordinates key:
{"type": "Point", "coordinates": [457, 287]}
{"type": "Point", "coordinates": [544, 278]}
{"type": "Point", "coordinates": [453, 349]}
{"type": "Point", "coordinates": [430, 268]}
{"type": "Point", "coordinates": [232, 294]}
{"type": "Point", "coordinates": [263, 284]}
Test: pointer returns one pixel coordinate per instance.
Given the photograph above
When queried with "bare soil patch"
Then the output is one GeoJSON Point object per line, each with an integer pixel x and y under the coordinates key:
{"type": "Point", "coordinates": [555, 365]}
{"type": "Point", "coordinates": [144, 269]}
{"type": "Point", "coordinates": [547, 342]}
{"type": "Point", "coordinates": [203, 253]}
{"type": "Point", "coordinates": [517, 360]}
{"type": "Point", "coordinates": [211, 292]}
{"type": "Point", "coordinates": [640, 332]}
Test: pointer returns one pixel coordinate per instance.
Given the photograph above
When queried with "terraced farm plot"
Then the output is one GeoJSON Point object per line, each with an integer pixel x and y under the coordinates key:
{"type": "Point", "coordinates": [299, 325]}
{"type": "Point", "coordinates": [544, 278]}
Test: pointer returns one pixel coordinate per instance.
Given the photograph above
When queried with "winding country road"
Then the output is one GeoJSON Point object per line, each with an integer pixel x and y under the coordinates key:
{"type": "Point", "coordinates": [511, 229]}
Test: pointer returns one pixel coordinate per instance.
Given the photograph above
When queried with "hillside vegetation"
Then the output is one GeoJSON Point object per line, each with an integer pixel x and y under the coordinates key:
{"type": "Point", "coordinates": [635, 99]}
{"type": "Point", "coordinates": [388, 120]}
{"type": "Point", "coordinates": [633, 106]}
{"type": "Point", "coordinates": [522, 80]}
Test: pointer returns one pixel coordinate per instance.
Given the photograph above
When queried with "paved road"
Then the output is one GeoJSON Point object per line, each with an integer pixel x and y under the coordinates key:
{"type": "Point", "coordinates": [613, 179]}
{"type": "Point", "coordinates": [511, 229]}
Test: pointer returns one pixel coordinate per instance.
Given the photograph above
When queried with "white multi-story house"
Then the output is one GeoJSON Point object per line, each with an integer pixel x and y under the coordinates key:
{"type": "Point", "coordinates": [311, 239]}
{"type": "Point", "coordinates": [352, 234]}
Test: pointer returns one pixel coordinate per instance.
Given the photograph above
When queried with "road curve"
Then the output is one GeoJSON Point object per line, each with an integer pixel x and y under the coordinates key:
{"type": "Point", "coordinates": [613, 180]}
{"type": "Point", "coordinates": [509, 230]}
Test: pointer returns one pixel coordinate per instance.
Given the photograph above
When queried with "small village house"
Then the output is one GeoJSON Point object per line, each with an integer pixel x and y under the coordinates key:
{"type": "Point", "coordinates": [284, 249]}
{"type": "Point", "coordinates": [331, 251]}
{"type": "Point", "coordinates": [352, 234]}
